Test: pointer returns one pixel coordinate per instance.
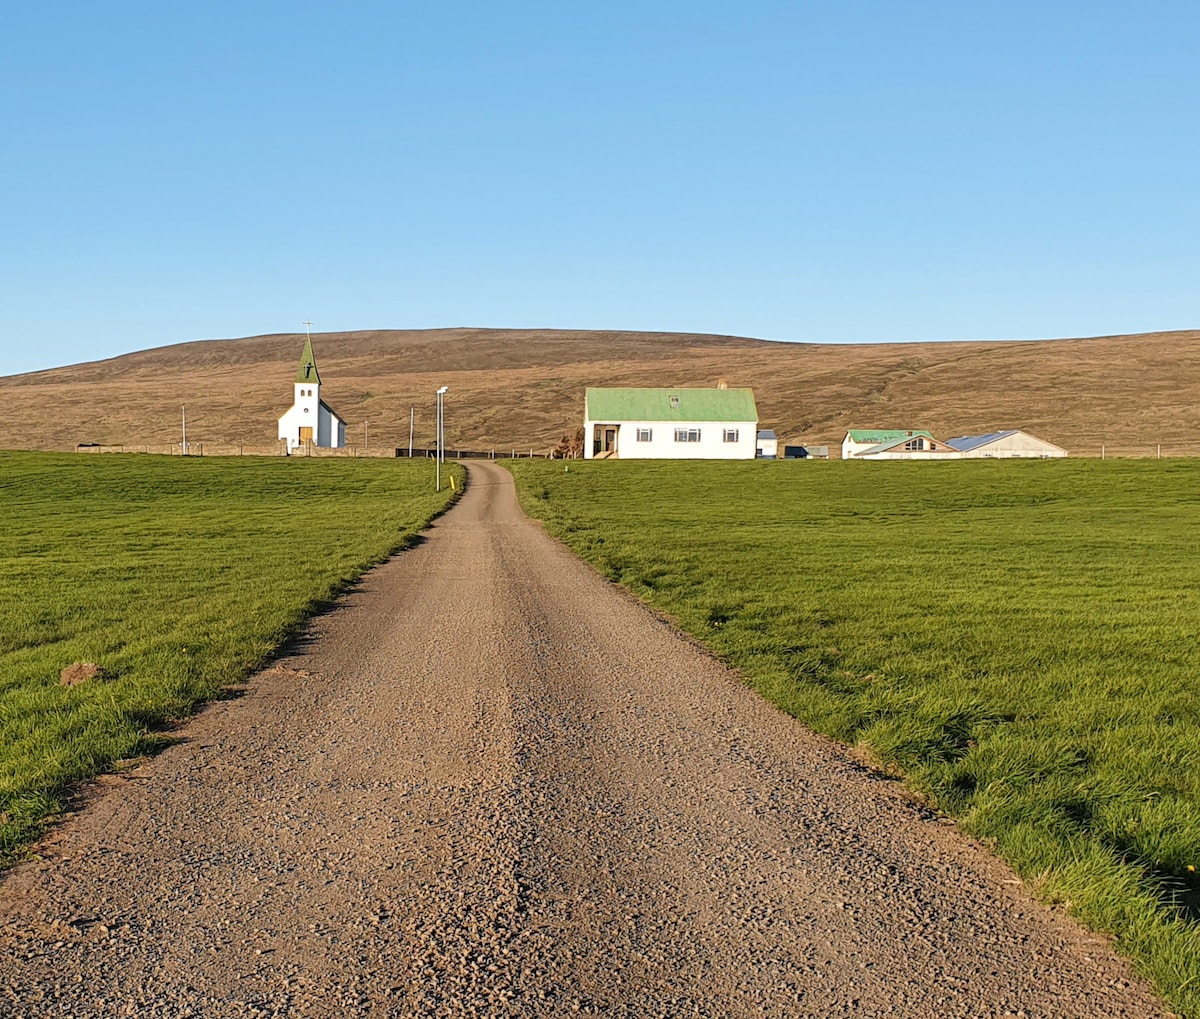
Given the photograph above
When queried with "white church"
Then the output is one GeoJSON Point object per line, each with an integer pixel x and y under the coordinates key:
{"type": "Point", "coordinates": [311, 421]}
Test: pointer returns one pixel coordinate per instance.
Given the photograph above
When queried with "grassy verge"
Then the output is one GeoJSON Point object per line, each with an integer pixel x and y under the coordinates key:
{"type": "Point", "coordinates": [178, 577]}
{"type": "Point", "coordinates": [1017, 638]}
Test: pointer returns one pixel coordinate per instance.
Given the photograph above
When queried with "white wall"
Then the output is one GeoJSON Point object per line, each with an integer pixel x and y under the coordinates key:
{"type": "Point", "coordinates": [662, 444]}
{"type": "Point", "coordinates": [1019, 444]}
{"type": "Point", "coordinates": [304, 412]}
{"type": "Point", "coordinates": [332, 430]}
{"type": "Point", "coordinates": [850, 447]}
{"type": "Point", "coordinates": [941, 453]}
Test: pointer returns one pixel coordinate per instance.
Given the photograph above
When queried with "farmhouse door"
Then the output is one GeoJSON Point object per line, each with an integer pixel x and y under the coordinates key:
{"type": "Point", "coordinates": [610, 439]}
{"type": "Point", "coordinates": [306, 434]}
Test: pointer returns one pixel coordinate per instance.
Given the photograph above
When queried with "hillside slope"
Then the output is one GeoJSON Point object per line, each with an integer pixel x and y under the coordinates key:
{"type": "Point", "coordinates": [525, 387]}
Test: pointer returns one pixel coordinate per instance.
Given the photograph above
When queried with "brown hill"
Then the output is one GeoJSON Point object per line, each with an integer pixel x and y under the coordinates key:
{"type": "Point", "coordinates": [525, 388]}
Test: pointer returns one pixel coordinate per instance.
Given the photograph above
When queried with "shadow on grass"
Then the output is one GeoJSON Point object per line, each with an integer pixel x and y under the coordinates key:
{"type": "Point", "coordinates": [1180, 895]}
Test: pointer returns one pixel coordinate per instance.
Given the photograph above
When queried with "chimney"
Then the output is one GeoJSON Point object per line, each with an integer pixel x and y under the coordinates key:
{"type": "Point", "coordinates": [722, 384]}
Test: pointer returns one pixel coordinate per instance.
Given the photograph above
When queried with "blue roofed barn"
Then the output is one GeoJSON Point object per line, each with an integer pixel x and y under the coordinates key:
{"type": "Point", "coordinates": [1005, 445]}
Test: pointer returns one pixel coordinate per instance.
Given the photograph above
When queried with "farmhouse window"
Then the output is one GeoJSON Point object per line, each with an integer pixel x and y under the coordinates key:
{"type": "Point", "coordinates": [915, 444]}
{"type": "Point", "coordinates": [731, 435]}
{"type": "Point", "coordinates": [645, 434]}
{"type": "Point", "coordinates": [674, 401]}
{"type": "Point", "coordinates": [687, 434]}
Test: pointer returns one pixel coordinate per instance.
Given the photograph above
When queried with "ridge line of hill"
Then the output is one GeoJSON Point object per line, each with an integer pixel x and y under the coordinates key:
{"type": "Point", "coordinates": [524, 387]}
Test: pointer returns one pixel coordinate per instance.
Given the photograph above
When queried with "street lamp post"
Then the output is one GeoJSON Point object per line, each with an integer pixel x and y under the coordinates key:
{"type": "Point", "coordinates": [440, 439]}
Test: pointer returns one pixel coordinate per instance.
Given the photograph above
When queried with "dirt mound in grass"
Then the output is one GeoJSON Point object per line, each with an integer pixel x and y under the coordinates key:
{"type": "Point", "coordinates": [80, 672]}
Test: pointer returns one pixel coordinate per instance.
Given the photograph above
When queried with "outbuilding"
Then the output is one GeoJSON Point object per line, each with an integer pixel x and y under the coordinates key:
{"type": "Point", "coordinates": [859, 439]}
{"type": "Point", "coordinates": [767, 445]}
{"type": "Point", "coordinates": [670, 424]}
{"type": "Point", "coordinates": [310, 421]}
{"type": "Point", "coordinates": [806, 452]}
{"type": "Point", "coordinates": [1006, 445]}
{"type": "Point", "coordinates": [910, 446]}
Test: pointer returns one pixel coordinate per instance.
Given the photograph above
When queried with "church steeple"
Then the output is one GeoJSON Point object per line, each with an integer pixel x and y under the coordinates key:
{"type": "Point", "coordinates": [307, 372]}
{"type": "Point", "coordinates": [311, 422]}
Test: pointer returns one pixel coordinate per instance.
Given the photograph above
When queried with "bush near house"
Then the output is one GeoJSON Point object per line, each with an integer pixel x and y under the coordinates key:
{"type": "Point", "coordinates": [1018, 638]}
{"type": "Point", "coordinates": [176, 577]}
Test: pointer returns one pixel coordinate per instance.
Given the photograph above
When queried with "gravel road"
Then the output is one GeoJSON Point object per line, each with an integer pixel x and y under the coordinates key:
{"type": "Point", "coordinates": [491, 784]}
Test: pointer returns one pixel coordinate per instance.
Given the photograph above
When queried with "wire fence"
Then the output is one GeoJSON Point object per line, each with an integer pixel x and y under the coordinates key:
{"type": "Point", "coordinates": [1128, 452]}
{"type": "Point", "coordinates": [309, 449]}
{"type": "Point", "coordinates": [1102, 451]}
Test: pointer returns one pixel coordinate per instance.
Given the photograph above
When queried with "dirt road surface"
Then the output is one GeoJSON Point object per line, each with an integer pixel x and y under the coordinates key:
{"type": "Point", "coordinates": [491, 784]}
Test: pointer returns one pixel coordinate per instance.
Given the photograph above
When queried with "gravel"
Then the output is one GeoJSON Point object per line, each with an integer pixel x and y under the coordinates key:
{"type": "Point", "coordinates": [491, 784]}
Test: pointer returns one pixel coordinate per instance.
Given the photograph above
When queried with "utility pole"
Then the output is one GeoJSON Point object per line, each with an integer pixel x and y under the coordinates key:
{"type": "Point", "coordinates": [440, 450]}
{"type": "Point", "coordinates": [365, 433]}
{"type": "Point", "coordinates": [412, 414]}
{"type": "Point", "coordinates": [183, 411]}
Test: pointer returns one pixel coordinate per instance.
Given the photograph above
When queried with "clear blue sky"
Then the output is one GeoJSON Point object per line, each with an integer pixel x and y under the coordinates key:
{"type": "Point", "coordinates": [833, 170]}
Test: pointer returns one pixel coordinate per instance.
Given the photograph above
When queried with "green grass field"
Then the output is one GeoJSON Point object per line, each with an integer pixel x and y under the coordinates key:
{"type": "Point", "coordinates": [178, 577]}
{"type": "Point", "coordinates": [1018, 638]}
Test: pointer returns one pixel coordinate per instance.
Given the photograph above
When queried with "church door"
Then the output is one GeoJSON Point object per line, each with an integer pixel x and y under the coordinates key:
{"type": "Point", "coordinates": [306, 434]}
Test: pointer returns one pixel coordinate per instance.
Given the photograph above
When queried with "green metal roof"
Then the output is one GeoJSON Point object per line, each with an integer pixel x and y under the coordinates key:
{"type": "Point", "coordinates": [671, 405]}
{"type": "Point", "coordinates": [307, 372]}
{"type": "Point", "coordinates": [876, 436]}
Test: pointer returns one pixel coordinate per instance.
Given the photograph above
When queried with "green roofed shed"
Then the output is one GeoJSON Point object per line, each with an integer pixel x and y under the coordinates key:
{"type": "Point", "coordinates": [692, 405]}
{"type": "Point", "coordinates": [874, 436]}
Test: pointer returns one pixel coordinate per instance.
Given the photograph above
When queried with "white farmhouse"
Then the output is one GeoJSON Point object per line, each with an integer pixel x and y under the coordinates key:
{"type": "Point", "coordinates": [670, 424]}
{"type": "Point", "coordinates": [1005, 445]}
{"type": "Point", "coordinates": [311, 421]}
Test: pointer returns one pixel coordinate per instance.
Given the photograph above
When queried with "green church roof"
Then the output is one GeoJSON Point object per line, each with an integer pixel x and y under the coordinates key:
{"type": "Point", "coordinates": [671, 405]}
{"type": "Point", "coordinates": [307, 372]}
